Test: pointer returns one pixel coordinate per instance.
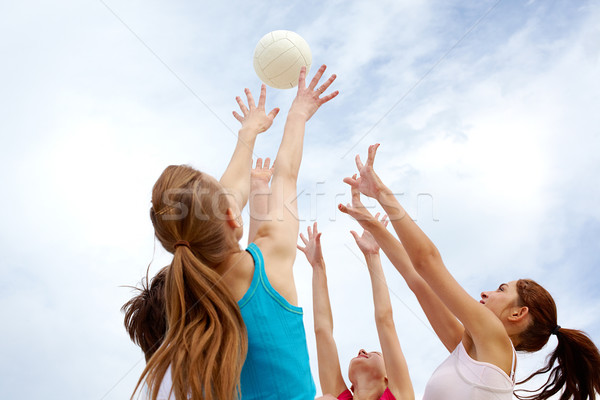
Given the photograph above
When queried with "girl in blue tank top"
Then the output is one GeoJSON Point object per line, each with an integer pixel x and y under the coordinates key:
{"type": "Point", "coordinates": [233, 325]}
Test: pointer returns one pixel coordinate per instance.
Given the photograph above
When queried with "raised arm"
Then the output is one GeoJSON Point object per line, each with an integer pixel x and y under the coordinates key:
{"type": "Point", "coordinates": [277, 236]}
{"type": "Point", "coordinates": [448, 329]}
{"type": "Point", "coordinates": [260, 176]}
{"type": "Point", "coordinates": [399, 381]}
{"type": "Point", "coordinates": [330, 373]}
{"type": "Point", "coordinates": [236, 178]}
{"type": "Point", "coordinates": [481, 324]}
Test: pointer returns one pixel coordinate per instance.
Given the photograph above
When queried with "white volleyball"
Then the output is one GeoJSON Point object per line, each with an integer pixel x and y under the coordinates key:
{"type": "Point", "coordinates": [278, 57]}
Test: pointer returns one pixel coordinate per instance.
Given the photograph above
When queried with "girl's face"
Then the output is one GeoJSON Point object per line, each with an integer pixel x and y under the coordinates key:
{"type": "Point", "coordinates": [367, 365]}
{"type": "Point", "coordinates": [501, 300]}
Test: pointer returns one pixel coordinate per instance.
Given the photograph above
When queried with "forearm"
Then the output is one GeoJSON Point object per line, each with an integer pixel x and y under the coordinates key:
{"type": "Point", "coordinates": [323, 318]}
{"type": "Point", "coordinates": [381, 296]}
{"type": "Point", "coordinates": [395, 252]}
{"type": "Point", "coordinates": [444, 323]}
{"type": "Point", "coordinates": [289, 155]}
{"type": "Point", "coordinates": [236, 177]}
{"type": "Point", "coordinates": [330, 373]}
{"type": "Point", "coordinates": [258, 206]}
{"type": "Point", "coordinates": [419, 247]}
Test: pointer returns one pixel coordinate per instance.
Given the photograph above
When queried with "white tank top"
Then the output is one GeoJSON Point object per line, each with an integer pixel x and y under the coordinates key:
{"type": "Point", "coordinates": [462, 378]}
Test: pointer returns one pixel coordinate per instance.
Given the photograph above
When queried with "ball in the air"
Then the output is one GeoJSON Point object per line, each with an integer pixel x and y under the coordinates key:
{"type": "Point", "coordinates": [278, 57]}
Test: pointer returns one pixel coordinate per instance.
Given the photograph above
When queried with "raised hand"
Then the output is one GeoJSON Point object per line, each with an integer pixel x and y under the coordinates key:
{"type": "Point", "coordinates": [312, 246]}
{"type": "Point", "coordinates": [261, 173]}
{"type": "Point", "coordinates": [254, 117]}
{"type": "Point", "coordinates": [368, 183]}
{"type": "Point", "coordinates": [367, 243]}
{"type": "Point", "coordinates": [357, 210]}
{"type": "Point", "coordinates": [308, 99]}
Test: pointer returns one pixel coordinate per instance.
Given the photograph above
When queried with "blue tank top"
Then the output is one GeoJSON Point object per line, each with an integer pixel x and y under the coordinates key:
{"type": "Point", "coordinates": [277, 365]}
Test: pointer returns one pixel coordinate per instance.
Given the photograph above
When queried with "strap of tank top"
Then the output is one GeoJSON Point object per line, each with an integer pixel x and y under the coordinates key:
{"type": "Point", "coordinates": [513, 366]}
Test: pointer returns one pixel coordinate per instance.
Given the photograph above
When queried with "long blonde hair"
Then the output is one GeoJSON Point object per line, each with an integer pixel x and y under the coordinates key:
{"type": "Point", "coordinates": [206, 342]}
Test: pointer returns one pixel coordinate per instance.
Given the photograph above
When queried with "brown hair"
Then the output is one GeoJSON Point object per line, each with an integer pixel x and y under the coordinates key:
{"type": "Point", "coordinates": [145, 319]}
{"type": "Point", "coordinates": [576, 357]}
{"type": "Point", "coordinates": [205, 343]}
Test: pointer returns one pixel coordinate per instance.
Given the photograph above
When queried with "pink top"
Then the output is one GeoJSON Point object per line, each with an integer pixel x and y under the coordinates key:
{"type": "Point", "coordinates": [347, 395]}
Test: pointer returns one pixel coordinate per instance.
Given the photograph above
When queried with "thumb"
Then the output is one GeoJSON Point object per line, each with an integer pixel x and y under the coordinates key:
{"type": "Point", "coordinates": [274, 113]}
{"type": "Point", "coordinates": [353, 182]}
{"type": "Point", "coordinates": [356, 237]}
{"type": "Point", "coordinates": [346, 209]}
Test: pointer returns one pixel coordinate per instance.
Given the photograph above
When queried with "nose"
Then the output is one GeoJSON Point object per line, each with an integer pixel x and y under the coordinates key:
{"type": "Point", "coordinates": [484, 295]}
{"type": "Point", "coordinates": [362, 352]}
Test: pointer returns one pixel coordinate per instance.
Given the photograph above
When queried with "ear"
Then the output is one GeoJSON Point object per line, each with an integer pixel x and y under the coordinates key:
{"type": "Point", "coordinates": [232, 220]}
{"type": "Point", "coordinates": [518, 314]}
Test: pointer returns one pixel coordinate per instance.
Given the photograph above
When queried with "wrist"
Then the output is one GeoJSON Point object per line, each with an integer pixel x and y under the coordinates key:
{"type": "Point", "coordinates": [318, 265]}
{"type": "Point", "coordinates": [258, 183]}
{"type": "Point", "coordinates": [370, 256]}
{"type": "Point", "coordinates": [383, 192]}
{"type": "Point", "coordinates": [247, 133]}
{"type": "Point", "coordinates": [297, 115]}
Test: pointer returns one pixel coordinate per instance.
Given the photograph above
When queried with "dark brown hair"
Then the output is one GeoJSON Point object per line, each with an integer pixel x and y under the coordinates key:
{"type": "Point", "coordinates": [205, 343]}
{"type": "Point", "coordinates": [145, 319]}
{"type": "Point", "coordinates": [574, 365]}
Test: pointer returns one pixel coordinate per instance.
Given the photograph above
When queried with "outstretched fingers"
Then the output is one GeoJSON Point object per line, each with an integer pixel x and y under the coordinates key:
{"type": "Point", "coordinates": [243, 107]}
{"type": "Point", "coordinates": [303, 238]}
{"type": "Point", "coordinates": [238, 117]}
{"type": "Point", "coordinates": [251, 104]}
{"type": "Point", "coordinates": [355, 195]}
{"type": "Point", "coordinates": [346, 209]}
{"type": "Point", "coordinates": [263, 96]}
{"type": "Point", "coordinates": [371, 155]}
{"type": "Point", "coordinates": [302, 79]}
{"type": "Point", "coordinates": [353, 182]}
{"type": "Point", "coordinates": [330, 96]}
{"type": "Point", "coordinates": [317, 77]}
{"type": "Point", "coordinates": [273, 113]}
{"type": "Point", "coordinates": [359, 163]}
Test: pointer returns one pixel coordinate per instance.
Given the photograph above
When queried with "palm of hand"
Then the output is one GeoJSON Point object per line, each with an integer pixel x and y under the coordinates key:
{"type": "Point", "coordinates": [367, 182]}
{"type": "Point", "coordinates": [313, 252]}
{"type": "Point", "coordinates": [261, 174]}
{"type": "Point", "coordinates": [306, 102]}
{"type": "Point", "coordinates": [258, 120]}
{"type": "Point", "coordinates": [367, 244]}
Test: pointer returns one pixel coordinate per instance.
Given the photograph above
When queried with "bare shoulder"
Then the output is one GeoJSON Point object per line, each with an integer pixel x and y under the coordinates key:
{"type": "Point", "coordinates": [238, 275]}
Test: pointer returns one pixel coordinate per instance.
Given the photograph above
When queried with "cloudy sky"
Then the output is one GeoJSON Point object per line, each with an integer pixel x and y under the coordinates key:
{"type": "Point", "coordinates": [487, 115]}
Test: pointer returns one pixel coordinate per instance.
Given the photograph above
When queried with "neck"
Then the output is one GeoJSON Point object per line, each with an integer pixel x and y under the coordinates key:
{"type": "Point", "coordinates": [230, 261]}
{"type": "Point", "coordinates": [368, 391]}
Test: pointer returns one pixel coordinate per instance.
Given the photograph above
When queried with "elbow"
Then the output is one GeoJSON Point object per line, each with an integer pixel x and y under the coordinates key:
{"type": "Point", "coordinates": [425, 258]}
{"type": "Point", "coordinates": [384, 317]}
{"type": "Point", "coordinates": [286, 172]}
{"type": "Point", "coordinates": [323, 330]}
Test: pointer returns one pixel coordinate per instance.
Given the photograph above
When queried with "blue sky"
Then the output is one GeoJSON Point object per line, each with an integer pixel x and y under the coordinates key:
{"type": "Point", "coordinates": [489, 131]}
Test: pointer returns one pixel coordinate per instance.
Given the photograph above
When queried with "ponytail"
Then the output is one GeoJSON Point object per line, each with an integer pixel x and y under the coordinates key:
{"type": "Point", "coordinates": [145, 319]}
{"type": "Point", "coordinates": [573, 367]}
{"type": "Point", "coordinates": [206, 342]}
